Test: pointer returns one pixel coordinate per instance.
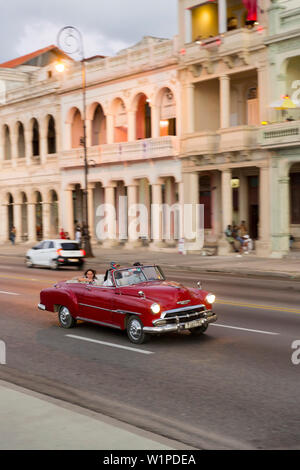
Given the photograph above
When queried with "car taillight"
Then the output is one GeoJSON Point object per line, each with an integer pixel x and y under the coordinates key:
{"type": "Point", "coordinates": [82, 252]}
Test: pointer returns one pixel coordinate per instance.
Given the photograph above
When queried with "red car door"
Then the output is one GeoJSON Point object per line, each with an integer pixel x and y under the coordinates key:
{"type": "Point", "coordinates": [96, 303]}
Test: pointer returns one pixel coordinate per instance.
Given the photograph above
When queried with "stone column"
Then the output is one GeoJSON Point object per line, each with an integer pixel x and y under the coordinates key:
{"type": "Point", "coordinates": [263, 93]}
{"type": "Point", "coordinates": [284, 214]}
{"type": "Point", "coordinates": [18, 221]}
{"type": "Point", "coordinates": [168, 215]}
{"type": "Point", "coordinates": [132, 201]}
{"type": "Point", "coordinates": [4, 223]}
{"type": "Point", "coordinates": [224, 247]}
{"type": "Point", "coordinates": [155, 121]}
{"type": "Point", "coordinates": [88, 123]}
{"type": "Point", "coordinates": [43, 148]}
{"type": "Point", "coordinates": [91, 211]}
{"type": "Point", "coordinates": [131, 126]}
{"type": "Point", "coordinates": [14, 148]}
{"type": "Point", "coordinates": [110, 216]}
{"type": "Point", "coordinates": [110, 131]}
{"type": "Point", "coordinates": [156, 215]}
{"type": "Point", "coordinates": [69, 212]}
{"type": "Point", "coordinates": [46, 220]}
{"type": "Point", "coordinates": [263, 245]}
{"type": "Point", "coordinates": [28, 146]}
{"type": "Point", "coordinates": [224, 102]}
{"type": "Point", "coordinates": [191, 230]}
{"type": "Point", "coordinates": [190, 108]}
{"type": "Point", "coordinates": [243, 198]}
{"type": "Point", "coordinates": [31, 222]}
{"type": "Point", "coordinates": [216, 204]}
{"type": "Point", "coordinates": [222, 13]}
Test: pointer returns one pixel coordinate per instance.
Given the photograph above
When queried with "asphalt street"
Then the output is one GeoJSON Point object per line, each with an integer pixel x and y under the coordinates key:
{"type": "Point", "coordinates": [235, 387]}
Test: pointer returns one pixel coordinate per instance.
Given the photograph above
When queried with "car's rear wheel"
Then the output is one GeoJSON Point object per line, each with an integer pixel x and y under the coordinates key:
{"type": "Point", "coordinates": [65, 318]}
{"type": "Point", "coordinates": [199, 330]}
{"type": "Point", "coordinates": [135, 331]}
{"type": "Point", "coordinates": [54, 264]}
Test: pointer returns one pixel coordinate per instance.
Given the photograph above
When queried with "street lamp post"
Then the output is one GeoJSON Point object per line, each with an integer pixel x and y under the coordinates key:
{"type": "Point", "coordinates": [69, 40]}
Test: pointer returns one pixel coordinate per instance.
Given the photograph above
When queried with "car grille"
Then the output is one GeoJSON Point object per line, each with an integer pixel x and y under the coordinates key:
{"type": "Point", "coordinates": [185, 315]}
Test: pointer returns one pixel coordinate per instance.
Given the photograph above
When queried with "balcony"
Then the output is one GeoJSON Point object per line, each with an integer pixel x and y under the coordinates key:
{"type": "Point", "coordinates": [238, 138]}
{"type": "Point", "coordinates": [200, 143]}
{"type": "Point", "coordinates": [161, 147]}
{"type": "Point", "coordinates": [280, 135]}
{"type": "Point", "coordinates": [237, 42]}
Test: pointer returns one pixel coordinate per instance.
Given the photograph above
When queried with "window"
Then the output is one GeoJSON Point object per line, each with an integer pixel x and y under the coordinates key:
{"type": "Point", "coordinates": [70, 246]}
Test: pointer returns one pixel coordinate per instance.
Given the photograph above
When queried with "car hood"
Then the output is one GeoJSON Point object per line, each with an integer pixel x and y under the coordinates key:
{"type": "Point", "coordinates": [167, 293]}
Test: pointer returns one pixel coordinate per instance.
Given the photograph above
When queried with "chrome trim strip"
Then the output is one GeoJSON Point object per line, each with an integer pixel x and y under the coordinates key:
{"type": "Point", "coordinates": [41, 307]}
{"type": "Point", "coordinates": [109, 310]}
{"type": "Point", "coordinates": [183, 309]}
{"type": "Point", "coordinates": [98, 322]}
{"type": "Point", "coordinates": [94, 306]}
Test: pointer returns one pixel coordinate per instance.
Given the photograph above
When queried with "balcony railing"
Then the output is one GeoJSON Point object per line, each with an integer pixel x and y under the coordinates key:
{"type": "Point", "coordinates": [283, 134]}
{"type": "Point", "coordinates": [232, 139]}
{"type": "Point", "coordinates": [161, 147]}
{"type": "Point", "coordinates": [200, 142]}
{"type": "Point", "coordinates": [238, 138]}
{"type": "Point", "coordinates": [233, 42]}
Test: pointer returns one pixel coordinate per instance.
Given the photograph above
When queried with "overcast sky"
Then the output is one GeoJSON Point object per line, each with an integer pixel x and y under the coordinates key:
{"type": "Point", "coordinates": [106, 25]}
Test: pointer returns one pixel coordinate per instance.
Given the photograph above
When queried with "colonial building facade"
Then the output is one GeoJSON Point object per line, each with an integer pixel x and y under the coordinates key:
{"type": "Point", "coordinates": [168, 122]}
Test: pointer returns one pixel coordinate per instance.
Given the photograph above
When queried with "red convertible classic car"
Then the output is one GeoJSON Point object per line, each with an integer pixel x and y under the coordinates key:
{"type": "Point", "coordinates": [136, 299]}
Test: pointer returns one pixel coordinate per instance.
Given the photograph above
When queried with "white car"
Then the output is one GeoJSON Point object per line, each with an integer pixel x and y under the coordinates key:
{"type": "Point", "coordinates": [55, 253]}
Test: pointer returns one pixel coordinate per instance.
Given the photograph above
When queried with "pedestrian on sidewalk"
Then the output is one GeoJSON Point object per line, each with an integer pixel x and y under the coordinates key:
{"type": "Point", "coordinates": [78, 234]}
{"type": "Point", "coordinates": [12, 235]}
{"type": "Point", "coordinates": [62, 234]}
{"type": "Point", "coordinates": [230, 238]}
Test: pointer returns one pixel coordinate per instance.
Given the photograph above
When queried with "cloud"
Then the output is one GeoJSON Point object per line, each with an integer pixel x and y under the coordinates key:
{"type": "Point", "coordinates": [106, 25]}
{"type": "Point", "coordinates": [46, 32]}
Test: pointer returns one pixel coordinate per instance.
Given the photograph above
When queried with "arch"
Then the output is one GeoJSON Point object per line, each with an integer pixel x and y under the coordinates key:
{"type": "Point", "coordinates": [120, 120]}
{"type": "Point", "coordinates": [7, 142]}
{"type": "Point", "coordinates": [141, 105]}
{"type": "Point", "coordinates": [51, 135]}
{"type": "Point", "coordinates": [165, 100]}
{"type": "Point", "coordinates": [76, 129]}
{"type": "Point", "coordinates": [21, 139]}
{"type": "Point", "coordinates": [35, 137]}
{"type": "Point", "coordinates": [98, 127]}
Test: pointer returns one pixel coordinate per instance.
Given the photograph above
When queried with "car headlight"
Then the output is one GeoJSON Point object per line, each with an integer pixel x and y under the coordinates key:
{"type": "Point", "coordinates": [210, 298]}
{"type": "Point", "coordinates": [155, 308]}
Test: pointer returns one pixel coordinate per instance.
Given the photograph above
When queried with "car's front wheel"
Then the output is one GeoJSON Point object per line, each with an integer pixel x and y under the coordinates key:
{"type": "Point", "coordinates": [29, 263]}
{"type": "Point", "coordinates": [135, 331]}
{"type": "Point", "coordinates": [65, 318]}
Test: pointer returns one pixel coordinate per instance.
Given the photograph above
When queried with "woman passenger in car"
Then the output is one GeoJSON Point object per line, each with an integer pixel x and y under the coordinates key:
{"type": "Point", "coordinates": [89, 277]}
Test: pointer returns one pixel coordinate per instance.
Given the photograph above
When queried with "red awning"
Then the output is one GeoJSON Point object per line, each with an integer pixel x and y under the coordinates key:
{"type": "Point", "coordinates": [251, 6]}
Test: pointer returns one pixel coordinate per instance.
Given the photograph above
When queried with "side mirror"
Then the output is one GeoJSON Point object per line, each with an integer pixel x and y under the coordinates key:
{"type": "Point", "coordinates": [199, 284]}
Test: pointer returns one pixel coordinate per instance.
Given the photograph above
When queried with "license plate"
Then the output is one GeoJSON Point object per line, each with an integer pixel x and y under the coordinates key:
{"type": "Point", "coordinates": [73, 259]}
{"type": "Point", "coordinates": [193, 324]}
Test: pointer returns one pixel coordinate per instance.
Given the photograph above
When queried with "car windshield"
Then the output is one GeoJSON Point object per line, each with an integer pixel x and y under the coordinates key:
{"type": "Point", "coordinates": [136, 275]}
{"type": "Point", "coordinates": [70, 246]}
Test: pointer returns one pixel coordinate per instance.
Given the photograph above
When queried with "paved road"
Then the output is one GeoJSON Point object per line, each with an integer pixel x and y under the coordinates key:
{"type": "Point", "coordinates": [235, 387]}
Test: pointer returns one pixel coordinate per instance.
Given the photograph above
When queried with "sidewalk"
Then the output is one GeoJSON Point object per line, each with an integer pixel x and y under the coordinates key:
{"type": "Point", "coordinates": [247, 265]}
{"type": "Point", "coordinates": [30, 420]}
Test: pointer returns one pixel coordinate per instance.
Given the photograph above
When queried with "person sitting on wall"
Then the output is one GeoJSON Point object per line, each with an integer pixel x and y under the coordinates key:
{"type": "Point", "coordinates": [229, 237]}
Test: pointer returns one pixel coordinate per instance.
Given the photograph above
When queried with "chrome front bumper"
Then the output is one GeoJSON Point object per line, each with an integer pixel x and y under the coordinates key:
{"type": "Point", "coordinates": [178, 326]}
{"type": "Point", "coordinates": [41, 307]}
